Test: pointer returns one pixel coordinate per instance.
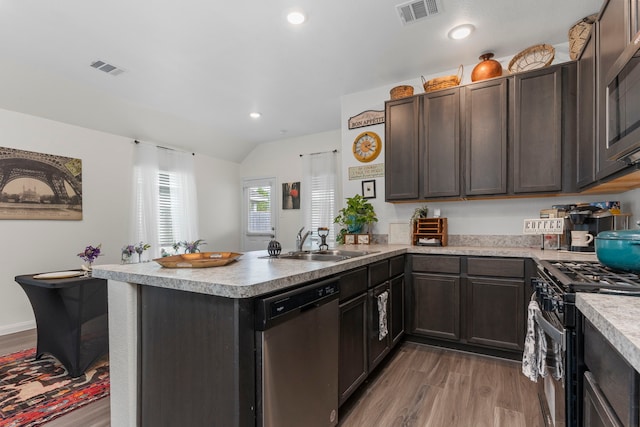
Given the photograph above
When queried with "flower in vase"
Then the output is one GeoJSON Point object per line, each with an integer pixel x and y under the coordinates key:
{"type": "Point", "coordinates": [90, 253]}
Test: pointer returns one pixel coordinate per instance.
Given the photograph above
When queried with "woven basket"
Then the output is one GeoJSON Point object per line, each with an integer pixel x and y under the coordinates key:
{"type": "Point", "coordinates": [532, 58]}
{"type": "Point", "coordinates": [442, 82]}
{"type": "Point", "coordinates": [401, 92]}
{"type": "Point", "coordinates": [579, 33]}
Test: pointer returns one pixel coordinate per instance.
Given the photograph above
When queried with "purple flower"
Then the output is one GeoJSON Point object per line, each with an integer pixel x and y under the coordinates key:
{"type": "Point", "coordinates": [90, 253]}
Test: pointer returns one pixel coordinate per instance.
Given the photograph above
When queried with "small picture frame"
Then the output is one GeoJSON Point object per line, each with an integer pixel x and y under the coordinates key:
{"type": "Point", "coordinates": [369, 189]}
{"type": "Point", "coordinates": [363, 239]}
{"type": "Point", "coordinates": [350, 239]}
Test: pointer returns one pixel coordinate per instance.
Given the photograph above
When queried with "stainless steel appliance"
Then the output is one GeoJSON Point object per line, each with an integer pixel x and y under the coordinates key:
{"type": "Point", "coordinates": [555, 289]}
{"type": "Point", "coordinates": [297, 356]}
{"type": "Point", "coordinates": [623, 109]}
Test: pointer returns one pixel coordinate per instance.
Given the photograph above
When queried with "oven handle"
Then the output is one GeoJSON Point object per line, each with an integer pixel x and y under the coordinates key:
{"type": "Point", "coordinates": [555, 334]}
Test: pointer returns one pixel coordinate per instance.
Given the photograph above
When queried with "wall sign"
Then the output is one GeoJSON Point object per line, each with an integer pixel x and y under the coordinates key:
{"type": "Point", "coordinates": [543, 226]}
{"type": "Point", "coordinates": [366, 118]}
{"type": "Point", "coordinates": [366, 171]}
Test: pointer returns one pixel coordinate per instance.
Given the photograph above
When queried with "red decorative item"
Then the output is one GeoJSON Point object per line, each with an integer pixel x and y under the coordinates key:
{"type": "Point", "coordinates": [486, 69]}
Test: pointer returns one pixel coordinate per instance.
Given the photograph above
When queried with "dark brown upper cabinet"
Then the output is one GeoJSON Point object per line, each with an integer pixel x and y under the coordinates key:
{"type": "Point", "coordinates": [485, 106]}
{"type": "Point", "coordinates": [401, 149]}
{"type": "Point", "coordinates": [586, 138]}
{"type": "Point", "coordinates": [440, 144]}
{"type": "Point", "coordinates": [544, 130]}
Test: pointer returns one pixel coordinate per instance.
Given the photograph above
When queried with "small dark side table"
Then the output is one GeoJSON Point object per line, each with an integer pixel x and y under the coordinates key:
{"type": "Point", "coordinates": [71, 318]}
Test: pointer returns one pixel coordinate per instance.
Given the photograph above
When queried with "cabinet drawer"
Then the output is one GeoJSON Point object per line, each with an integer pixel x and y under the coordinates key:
{"type": "Point", "coordinates": [396, 266]}
{"type": "Point", "coordinates": [615, 377]}
{"type": "Point", "coordinates": [378, 272]}
{"type": "Point", "coordinates": [495, 267]}
{"type": "Point", "coordinates": [436, 264]}
{"type": "Point", "coordinates": [352, 283]}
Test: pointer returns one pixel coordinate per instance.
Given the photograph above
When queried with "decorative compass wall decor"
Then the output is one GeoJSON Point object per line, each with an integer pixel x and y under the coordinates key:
{"type": "Point", "coordinates": [367, 146]}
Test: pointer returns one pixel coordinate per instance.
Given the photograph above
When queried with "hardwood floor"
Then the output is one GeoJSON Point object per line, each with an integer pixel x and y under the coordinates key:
{"type": "Point", "coordinates": [419, 386]}
{"type": "Point", "coordinates": [432, 387]}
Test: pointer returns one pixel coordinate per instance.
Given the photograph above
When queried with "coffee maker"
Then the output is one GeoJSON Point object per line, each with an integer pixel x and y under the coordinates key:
{"type": "Point", "coordinates": [591, 219]}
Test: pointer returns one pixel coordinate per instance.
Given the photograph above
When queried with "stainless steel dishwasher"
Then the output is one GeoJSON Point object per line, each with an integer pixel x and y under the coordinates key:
{"type": "Point", "coordinates": [297, 356]}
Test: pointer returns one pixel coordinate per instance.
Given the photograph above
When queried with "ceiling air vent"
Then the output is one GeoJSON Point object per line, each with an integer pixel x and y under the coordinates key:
{"type": "Point", "coordinates": [107, 68]}
{"type": "Point", "coordinates": [418, 10]}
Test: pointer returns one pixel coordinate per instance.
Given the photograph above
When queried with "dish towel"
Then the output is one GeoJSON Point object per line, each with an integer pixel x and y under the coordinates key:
{"type": "Point", "coordinates": [554, 360]}
{"type": "Point", "coordinates": [534, 358]}
{"type": "Point", "coordinates": [382, 315]}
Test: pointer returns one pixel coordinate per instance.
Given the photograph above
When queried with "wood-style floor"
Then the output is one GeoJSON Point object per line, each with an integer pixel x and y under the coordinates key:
{"type": "Point", "coordinates": [419, 386]}
{"type": "Point", "coordinates": [432, 387]}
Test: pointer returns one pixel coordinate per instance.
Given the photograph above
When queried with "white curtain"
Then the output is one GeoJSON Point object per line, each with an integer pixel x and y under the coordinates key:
{"type": "Point", "coordinates": [149, 161]}
{"type": "Point", "coordinates": [319, 192]}
{"type": "Point", "coordinates": [145, 197]}
{"type": "Point", "coordinates": [184, 208]}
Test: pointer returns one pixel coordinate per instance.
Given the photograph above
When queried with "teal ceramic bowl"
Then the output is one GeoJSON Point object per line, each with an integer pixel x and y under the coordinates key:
{"type": "Point", "coordinates": [619, 250]}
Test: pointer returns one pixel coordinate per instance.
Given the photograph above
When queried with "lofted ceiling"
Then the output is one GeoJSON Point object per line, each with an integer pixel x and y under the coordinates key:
{"type": "Point", "coordinates": [195, 69]}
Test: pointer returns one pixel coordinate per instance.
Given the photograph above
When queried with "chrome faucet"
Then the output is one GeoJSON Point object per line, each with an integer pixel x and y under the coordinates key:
{"type": "Point", "coordinates": [301, 238]}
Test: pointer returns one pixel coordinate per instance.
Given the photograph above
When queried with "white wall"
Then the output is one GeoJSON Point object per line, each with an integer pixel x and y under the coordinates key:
{"type": "Point", "coordinates": [281, 159]}
{"type": "Point", "coordinates": [464, 217]}
{"type": "Point", "coordinates": [107, 161]}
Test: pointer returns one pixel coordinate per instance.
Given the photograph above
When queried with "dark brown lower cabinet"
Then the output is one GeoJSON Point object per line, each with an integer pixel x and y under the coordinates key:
{"type": "Point", "coordinates": [396, 286]}
{"type": "Point", "coordinates": [495, 312]}
{"type": "Point", "coordinates": [353, 346]}
{"type": "Point", "coordinates": [436, 305]}
{"type": "Point", "coordinates": [379, 345]}
{"type": "Point", "coordinates": [597, 412]}
{"type": "Point", "coordinates": [611, 386]}
{"type": "Point", "coordinates": [470, 301]}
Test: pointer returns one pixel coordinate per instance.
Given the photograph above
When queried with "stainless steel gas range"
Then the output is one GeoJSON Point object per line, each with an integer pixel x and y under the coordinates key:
{"type": "Point", "coordinates": [555, 290]}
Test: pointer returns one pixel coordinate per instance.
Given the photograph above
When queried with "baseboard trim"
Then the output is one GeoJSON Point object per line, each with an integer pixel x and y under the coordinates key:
{"type": "Point", "coordinates": [17, 327]}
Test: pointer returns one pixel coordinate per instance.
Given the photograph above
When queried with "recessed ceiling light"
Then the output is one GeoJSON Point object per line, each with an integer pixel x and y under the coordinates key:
{"type": "Point", "coordinates": [296, 18]}
{"type": "Point", "coordinates": [461, 31]}
{"type": "Point", "coordinates": [255, 115]}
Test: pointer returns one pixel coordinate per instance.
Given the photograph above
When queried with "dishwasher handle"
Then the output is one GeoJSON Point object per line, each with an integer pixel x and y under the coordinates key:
{"type": "Point", "coordinates": [275, 309]}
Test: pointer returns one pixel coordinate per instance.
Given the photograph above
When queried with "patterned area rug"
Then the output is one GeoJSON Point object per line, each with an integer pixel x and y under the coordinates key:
{"type": "Point", "coordinates": [33, 392]}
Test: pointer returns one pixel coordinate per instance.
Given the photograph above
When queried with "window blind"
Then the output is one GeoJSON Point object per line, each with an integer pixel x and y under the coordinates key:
{"type": "Point", "coordinates": [166, 202]}
{"type": "Point", "coordinates": [259, 212]}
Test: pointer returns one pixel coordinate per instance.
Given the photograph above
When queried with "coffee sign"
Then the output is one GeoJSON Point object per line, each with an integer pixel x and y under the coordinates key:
{"type": "Point", "coordinates": [366, 118]}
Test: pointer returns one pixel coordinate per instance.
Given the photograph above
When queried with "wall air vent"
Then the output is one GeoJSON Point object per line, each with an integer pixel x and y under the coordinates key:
{"type": "Point", "coordinates": [107, 68]}
{"type": "Point", "coordinates": [414, 11]}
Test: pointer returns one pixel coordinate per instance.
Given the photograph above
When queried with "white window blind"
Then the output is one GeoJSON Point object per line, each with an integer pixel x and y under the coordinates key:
{"type": "Point", "coordinates": [259, 212]}
{"type": "Point", "coordinates": [319, 192]}
{"type": "Point", "coordinates": [166, 202]}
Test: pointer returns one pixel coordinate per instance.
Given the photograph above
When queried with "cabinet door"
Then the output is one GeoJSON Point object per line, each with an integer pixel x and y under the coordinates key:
{"type": "Point", "coordinates": [378, 345]}
{"type": "Point", "coordinates": [613, 35]}
{"type": "Point", "coordinates": [440, 144]}
{"type": "Point", "coordinates": [401, 149]}
{"type": "Point", "coordinates": [436, 306]}
{"type": "Point", "coordinates": [397, 309]}
{"type": "Point", "coordinates": [537, 145]}
{"type": "Point", "coordinates": [586, 150]}
{"type": "Point", "coordinates": [352, 369]}
{"type": "Point", "coordinates": [485, 106]}
{"type": "Point", "coordinates": [495, 312]}
{"type": "Point", "coordinates": [596, 412]}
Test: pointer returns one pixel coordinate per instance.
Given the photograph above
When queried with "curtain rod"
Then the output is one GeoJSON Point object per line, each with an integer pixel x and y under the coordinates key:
{"type": "Point", "coordinates": [166, 148]}
{"type": "Point", "coordinates": [319, 152]}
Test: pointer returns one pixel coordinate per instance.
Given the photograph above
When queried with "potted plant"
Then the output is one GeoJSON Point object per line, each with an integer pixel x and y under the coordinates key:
{"type": "Point", "coordinates": [355, 216]}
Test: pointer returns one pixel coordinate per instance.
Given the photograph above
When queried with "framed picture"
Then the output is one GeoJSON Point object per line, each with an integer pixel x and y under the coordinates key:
{"type": "Point", "coordinates": [291, 195]}
{"type": "Point", "coordinates": [369, 189]}
{"type": "Point", "coordinates": [39, 186]}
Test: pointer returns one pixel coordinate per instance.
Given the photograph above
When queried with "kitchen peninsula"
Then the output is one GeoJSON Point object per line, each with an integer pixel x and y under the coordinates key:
{"type": "Point", "coordinates": [182, 341]}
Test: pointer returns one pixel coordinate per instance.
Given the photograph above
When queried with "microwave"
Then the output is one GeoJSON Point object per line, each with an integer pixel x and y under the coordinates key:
{"type": "Point", "coordinates": [623, 106]}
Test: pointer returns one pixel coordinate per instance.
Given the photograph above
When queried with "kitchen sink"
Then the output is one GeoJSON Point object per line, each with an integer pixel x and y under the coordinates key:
{"type": "Point", "coordinates": [327, 255]}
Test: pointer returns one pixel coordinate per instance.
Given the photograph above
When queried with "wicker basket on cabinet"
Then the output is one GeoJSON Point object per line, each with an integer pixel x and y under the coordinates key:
{"type": "Point", "coordinates": [430, 228]}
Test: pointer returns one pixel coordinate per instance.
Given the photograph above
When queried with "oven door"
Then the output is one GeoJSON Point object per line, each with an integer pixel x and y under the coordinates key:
{"type": "Point", "coordinates": [551, 391]}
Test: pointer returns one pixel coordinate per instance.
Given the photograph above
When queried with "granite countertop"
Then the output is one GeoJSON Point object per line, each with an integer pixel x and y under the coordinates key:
{"type": "Point", "coordinates": [616, 317]}
{"type": "Point", "coordinates": [252, 275]}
